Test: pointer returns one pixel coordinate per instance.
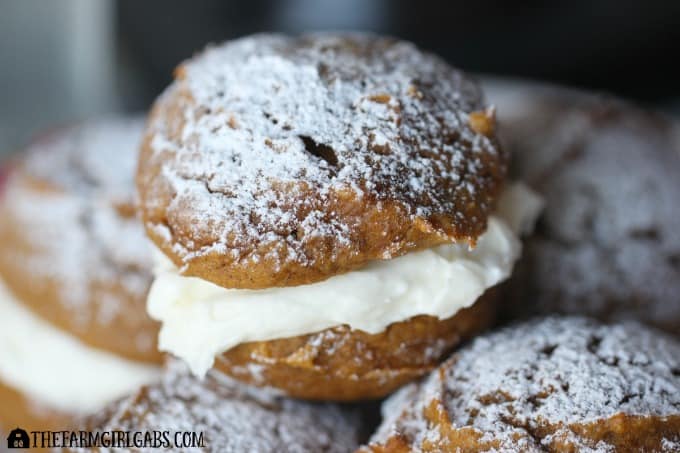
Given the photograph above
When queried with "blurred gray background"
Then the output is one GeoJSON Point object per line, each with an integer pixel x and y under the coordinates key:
{"type": "Point", "coordinates": [61, 61]}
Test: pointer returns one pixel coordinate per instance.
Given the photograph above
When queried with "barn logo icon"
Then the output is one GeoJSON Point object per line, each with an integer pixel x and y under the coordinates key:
{"type": "Point", "coordinates": [18, 438]}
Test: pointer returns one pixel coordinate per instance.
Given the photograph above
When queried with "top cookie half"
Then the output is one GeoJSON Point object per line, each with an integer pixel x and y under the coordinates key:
{"type": "Point", "coordinates": [280, 161]}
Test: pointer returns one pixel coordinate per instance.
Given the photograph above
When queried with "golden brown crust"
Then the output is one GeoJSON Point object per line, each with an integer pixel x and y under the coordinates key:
{"type": "Point", "coordinates": [273, 192]}
{"type": "Point", "coordinates": [621, 433]}
{"type": "Point", "coordinates": [558, 385]}
{"type": "Point", "coordinates": [340, 364]}
{"type": "Point", "coordinates": [65, 238]}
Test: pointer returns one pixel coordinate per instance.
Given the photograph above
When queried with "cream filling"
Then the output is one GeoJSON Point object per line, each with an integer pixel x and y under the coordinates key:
{"type": "Point", "coordinates": [54, 368]}
{"type": "Point", "coordinates": [201, 320]}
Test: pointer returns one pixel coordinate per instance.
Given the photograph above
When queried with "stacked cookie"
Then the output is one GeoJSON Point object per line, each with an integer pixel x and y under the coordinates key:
{"type": "Point", "coordinates": [332, 228]}
{"type": "Point", "coordinates": [74, 275]}
{"type": "Point", "coordinates": [330, 217]}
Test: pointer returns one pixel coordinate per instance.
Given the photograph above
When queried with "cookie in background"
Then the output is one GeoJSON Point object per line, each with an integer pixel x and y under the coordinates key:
{"type": "Point", "coordinates": [75, 269]}
{"type": "Point", "coordinates": [225, 415]}
{"type": "Point", "coordinates": [607, 243]}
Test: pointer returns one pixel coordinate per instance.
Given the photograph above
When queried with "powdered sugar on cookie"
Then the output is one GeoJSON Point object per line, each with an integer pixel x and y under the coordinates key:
{"type": "Point", "coordinates": [259, 139]}
{"type": "Point", "coordinates": [74, 196]}
{"type": "Point", "coordinates": [232, 416]}
{"type": "Point", "coordinates": [528, 386]}
{"type": "Point", "coordinates": [608, 244]}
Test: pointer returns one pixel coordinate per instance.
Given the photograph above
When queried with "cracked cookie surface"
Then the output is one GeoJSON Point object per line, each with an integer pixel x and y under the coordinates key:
{"type": "Point", "coordinates": [279, 161]}
{"type": "Point", "coordinates": [553, 384]}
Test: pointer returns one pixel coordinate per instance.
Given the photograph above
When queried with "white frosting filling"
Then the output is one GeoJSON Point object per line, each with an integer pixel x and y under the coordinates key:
{"type": "Point", "coordinates": [200, 320]}
{"type": "Point", "coordinates": [54, 368]}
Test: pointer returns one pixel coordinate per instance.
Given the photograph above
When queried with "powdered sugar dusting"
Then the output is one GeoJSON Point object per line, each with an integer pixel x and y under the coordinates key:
{"type": "Point", "coordinates": [529, 383]}
{"type": "Point", "coordinates": [608, 244]}
{"type": "Point", "coordinates": [233, 416]}
{"type": "Point", "coordinates": [96, 158]}
{"type": "Point", "coordinates": [322, 117]}
{"type": "Point", "coordinates": [83, 232]}
{"type": "Point", "coordinates": [671, 445]}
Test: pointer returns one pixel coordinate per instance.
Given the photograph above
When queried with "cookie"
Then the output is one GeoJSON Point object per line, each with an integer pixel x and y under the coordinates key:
{"type": "Point", "coordinates": [75, 269]}
{"type": "Point", "coordinates": [280, 161]}
{"type": "Point", "coordinates": [342, 364]}
{"type": "Point", "coordinates": [72, 247]}
{"type": "Point", "coordinates": [230, 417]}
{"type": "Point", "coordinates": [607, 243]}
{"type": "Point", "coordinates": [554, 384]}
{"type": "Point", "coordinates": [353, 336]}
{"type": "Point", "coordinates": [330, 213]}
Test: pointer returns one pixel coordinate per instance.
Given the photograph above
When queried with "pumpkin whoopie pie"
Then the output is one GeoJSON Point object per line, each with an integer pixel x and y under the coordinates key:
{"type": "Point", "coordinates": [75, 269]}
{"type": "Point", "coordinates": [330, 212]}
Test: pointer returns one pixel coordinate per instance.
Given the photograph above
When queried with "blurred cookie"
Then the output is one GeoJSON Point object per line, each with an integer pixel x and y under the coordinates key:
{"type": "Point", "coordinates": [72, 247]}
{"type": "Point", "coordinates": [607, 244]}
{"type": "Point", "coordinates": [557, 384]}
{"type": "Point", "coordinates": [75, 269]}
{"type": "Point", "coordinates": [20, 410]}
{"type": "Point", "coordinates": [229, 417]}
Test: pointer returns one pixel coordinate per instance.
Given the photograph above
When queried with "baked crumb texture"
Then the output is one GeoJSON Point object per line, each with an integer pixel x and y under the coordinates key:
{"type": "Point", "coordinates": [556, 384]}
{"type": "Point", "coordinates": [342, 364]}
{"type": "Point", "coordinates": [278, 161]}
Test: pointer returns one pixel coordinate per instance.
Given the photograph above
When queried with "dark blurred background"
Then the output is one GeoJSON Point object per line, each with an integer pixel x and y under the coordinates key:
{"type": "Point", "coordinates": [64, 60]}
